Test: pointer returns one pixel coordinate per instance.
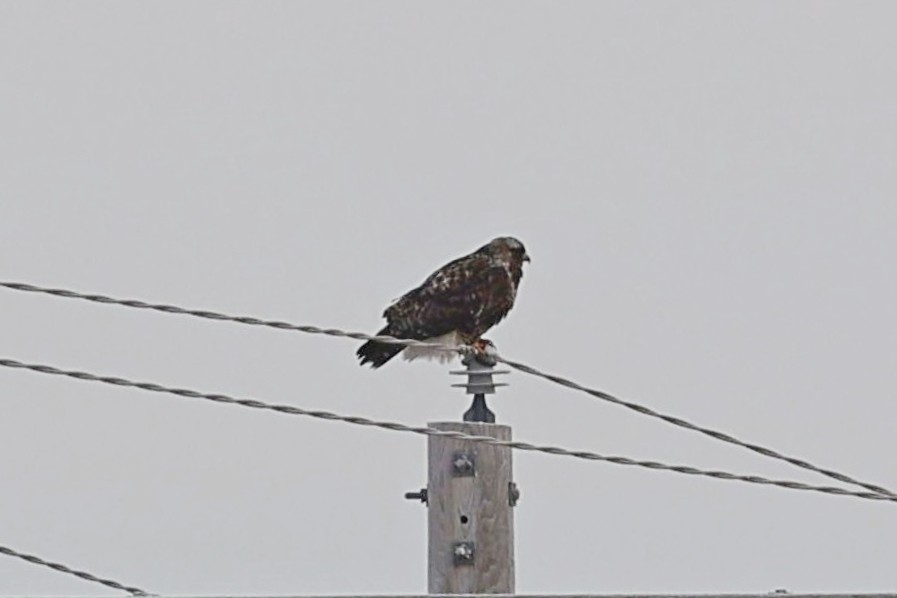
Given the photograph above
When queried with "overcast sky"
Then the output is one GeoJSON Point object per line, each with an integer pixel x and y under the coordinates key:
{"type": "Point", "coordinates": [707, 191]}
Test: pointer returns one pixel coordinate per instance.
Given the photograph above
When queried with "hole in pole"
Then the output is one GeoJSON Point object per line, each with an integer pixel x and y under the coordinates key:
{"type": "Point", "coordinates": [464, 519]}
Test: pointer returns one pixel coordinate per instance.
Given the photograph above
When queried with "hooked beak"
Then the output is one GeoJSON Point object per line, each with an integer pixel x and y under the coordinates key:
{"type": "Point", "coordinates": [526, 258]}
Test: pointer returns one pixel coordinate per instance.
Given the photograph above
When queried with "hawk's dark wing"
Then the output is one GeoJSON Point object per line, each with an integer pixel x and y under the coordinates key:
{"type": "Point", "coordinates": [469, 295]}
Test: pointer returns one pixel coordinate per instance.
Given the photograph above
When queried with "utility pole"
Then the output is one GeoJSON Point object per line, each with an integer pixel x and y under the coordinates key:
{"type": "Point", "coordinates": [470, 495]}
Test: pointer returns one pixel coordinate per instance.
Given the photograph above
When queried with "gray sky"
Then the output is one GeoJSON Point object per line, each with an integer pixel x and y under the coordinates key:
{"type": "Point", "coordinates": [708, 194]}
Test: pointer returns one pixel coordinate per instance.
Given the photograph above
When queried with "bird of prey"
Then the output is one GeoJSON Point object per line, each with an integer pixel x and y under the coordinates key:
{"type": "Point", "coordinates": [455, 305]}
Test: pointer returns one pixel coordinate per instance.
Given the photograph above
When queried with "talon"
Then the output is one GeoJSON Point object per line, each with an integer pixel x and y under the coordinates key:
{"type": "Point", "coordinates": [482, 346]}
{"type": "Point", "coordinates": [483, 351]}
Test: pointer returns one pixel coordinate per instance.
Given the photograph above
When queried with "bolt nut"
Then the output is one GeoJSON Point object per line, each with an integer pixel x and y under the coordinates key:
{"type": "Point", "coordinates": [513, 494]}
{"type": "Point", "coordinates": [463, 553]}
{"type": "Point", "coordinates": [463, 465]}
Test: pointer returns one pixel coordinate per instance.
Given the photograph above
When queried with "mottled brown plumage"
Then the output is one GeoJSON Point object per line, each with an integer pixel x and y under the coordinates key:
{"type": "Point", "coordinates": [464, 298]}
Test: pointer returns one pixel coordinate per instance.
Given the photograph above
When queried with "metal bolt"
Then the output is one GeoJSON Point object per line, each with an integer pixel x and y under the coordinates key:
{"type": "Point", "coordinates": [464, 553]}
{"type": "Point", "coordinates": [513, 494]}
{"type": "Point", "coordinates": [463, 465]}
{"type": "Point", "coordinates": [420, 495]}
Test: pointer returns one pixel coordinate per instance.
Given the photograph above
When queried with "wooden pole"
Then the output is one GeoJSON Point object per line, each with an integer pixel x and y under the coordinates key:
{"type": "Point", "coordinates": [470, 494]}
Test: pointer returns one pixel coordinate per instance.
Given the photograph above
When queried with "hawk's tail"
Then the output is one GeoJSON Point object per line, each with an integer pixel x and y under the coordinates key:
{"type": "Point", "coordinates": [376, 353]}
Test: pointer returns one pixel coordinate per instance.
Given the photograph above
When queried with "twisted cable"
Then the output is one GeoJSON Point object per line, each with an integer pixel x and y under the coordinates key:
{"type": "Point", "coordinates": [109, 583]}
{"type": "Point", "coordinates": [722, 436]}
{"type": "Point", "coordinates": [427, 431]}
{"type": "Point", "coordinates": [253, 321]}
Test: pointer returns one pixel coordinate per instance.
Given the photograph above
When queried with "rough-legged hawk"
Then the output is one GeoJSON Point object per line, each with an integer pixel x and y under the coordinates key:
{"type": "Point", "coordinates": [454, 305]}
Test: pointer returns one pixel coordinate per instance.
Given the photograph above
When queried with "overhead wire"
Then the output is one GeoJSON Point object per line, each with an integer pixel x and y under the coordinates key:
{"type": "Point", "coordinates": [281, 325]}
{"type": "Point", "coordinates": [722, 436]}
{"type": "Point", "coordinates": [109, 583]}
{"type": "Point", "coordinates": [428, 431]}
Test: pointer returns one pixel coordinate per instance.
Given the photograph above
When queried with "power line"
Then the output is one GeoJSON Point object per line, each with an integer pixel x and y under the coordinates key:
{"type": "Point", "coordinates": [212, 315]}
{"type": "Point", "coordinates": [65, 569]}
{"type": "Point", "coordinates": [253, 321]}
{"type": "Point", "coordinates": [780, 593]}
{"type": "Point", "coordinates": [427, 431]}
{"type": "Point", "coordinates": [777, 593]}
{"type": "Point", "coordinates": [766, 452]}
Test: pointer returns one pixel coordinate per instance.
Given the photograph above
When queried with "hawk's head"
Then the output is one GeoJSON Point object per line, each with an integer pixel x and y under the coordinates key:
{"type": "Point", "coordinates": [507, 249]}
